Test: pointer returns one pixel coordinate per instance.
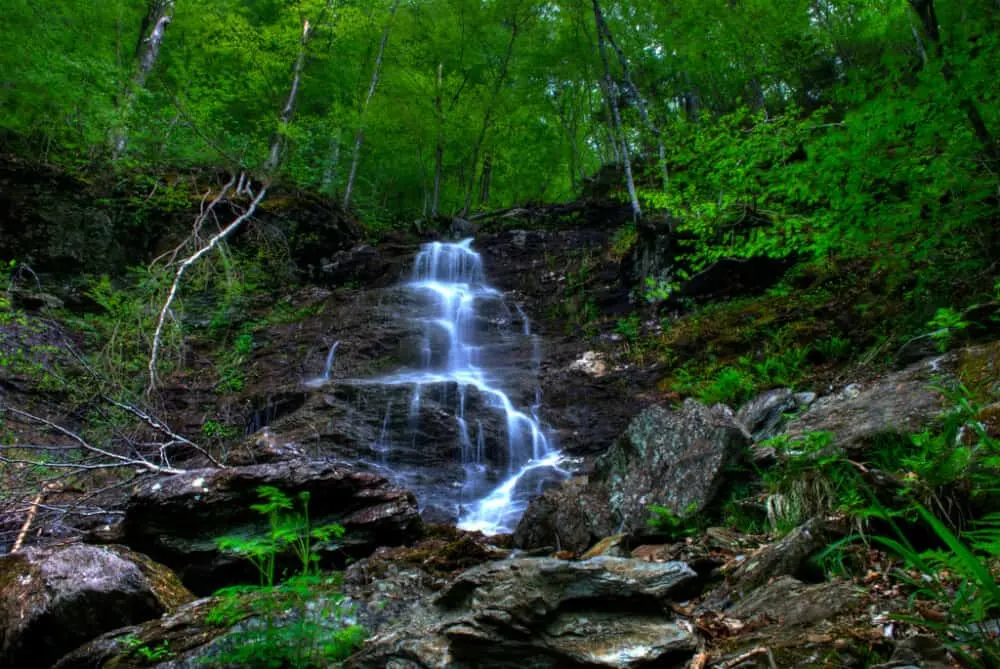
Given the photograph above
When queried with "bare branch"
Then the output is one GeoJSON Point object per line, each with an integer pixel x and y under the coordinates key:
{"type": "Point", "coordinates": [187, 262]}
{"type": "Point", "coordinates": [114, 459]}
{"type": "Point", "coordinates": [32, 512]}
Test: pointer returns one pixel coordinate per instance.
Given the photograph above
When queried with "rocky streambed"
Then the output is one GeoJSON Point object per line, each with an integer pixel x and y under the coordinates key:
{"type": "Point", "coordinates": [582, 583]}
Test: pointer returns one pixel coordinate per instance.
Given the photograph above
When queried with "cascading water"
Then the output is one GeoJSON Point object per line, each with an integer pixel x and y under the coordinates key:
{"type": "Point", "coordinates": [324, 378]}
{"type": "Point", "coordinates": [493, 495]}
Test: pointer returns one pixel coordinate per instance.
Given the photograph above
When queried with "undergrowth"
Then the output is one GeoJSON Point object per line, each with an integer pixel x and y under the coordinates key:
{"type": "Point", "coordinates": [301, 622]}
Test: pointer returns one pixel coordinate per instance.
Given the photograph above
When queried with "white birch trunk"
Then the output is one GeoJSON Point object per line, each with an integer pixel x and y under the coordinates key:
{"type": "Point", "coordinates": [611, 91]}
{"type": "Point", "coordinates": [359, 137]}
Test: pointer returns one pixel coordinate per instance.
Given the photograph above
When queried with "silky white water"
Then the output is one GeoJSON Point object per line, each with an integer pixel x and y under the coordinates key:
{"type": "Point", "coordinates": [449, 276]}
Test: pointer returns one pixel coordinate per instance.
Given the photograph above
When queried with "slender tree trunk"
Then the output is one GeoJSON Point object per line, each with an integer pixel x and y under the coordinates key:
{"type": "Point", "coordinates": [484, 180]}
{"type": "Point", "coordinates": [602, 25]}
{"type": "Point", "coordinates": [330, 173]}
{"type": "Point", "coordinates": [147, 51]}
{"type": "Point", "coordinates": [359, 137]}
{"type": "Point", "coordinates": [928, 18]}
{"type": "Point", "coordinates": [439, 146]}
{"type": "Point", "coordinates": [487, 117]}
{"type": "Point", "coordinates": [611, 92]}
{"type": "Point", "coordinates": [285, 118]}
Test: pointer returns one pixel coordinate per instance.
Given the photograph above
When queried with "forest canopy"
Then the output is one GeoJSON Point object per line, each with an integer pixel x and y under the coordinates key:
{"type": "Point", "coordinates": [841, 123]}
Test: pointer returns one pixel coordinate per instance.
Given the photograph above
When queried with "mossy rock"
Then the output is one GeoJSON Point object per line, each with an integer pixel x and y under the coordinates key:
{"type": "Point", "coordinates": [979, 370]}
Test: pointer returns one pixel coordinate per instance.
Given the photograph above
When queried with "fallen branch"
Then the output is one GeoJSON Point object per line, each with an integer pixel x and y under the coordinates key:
{"type": "Point", "coordinates": [175, 285]}
{"type": "Point", "coordinates": [203, 214]}
{"type": "Point", "coordinates": [110, 459]}
{"type": "Point", "coordinates": [32, 512]}
{"type": "Point", "coordinates": [159, 426]}
{"type": "Point", "coordinates": [759, 650]}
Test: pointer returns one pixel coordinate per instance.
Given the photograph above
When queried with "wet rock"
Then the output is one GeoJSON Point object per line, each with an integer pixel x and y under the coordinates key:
{"type": "Point", "coordinates": [461, 228]}
{"type": "Point", "coordinates": [670, 458]}
{"type": "Point", "coordinates": [360, 263]}
{"type": "Point", "coordinates": [53, 599]}
{"type": "Point", "coordinates": [192, 640]}
{"type": "Point", "coordinates": [34, 300]}
{"type": "Point", "coordinates": [177, 519]}
{"type": "Point", "coordinates": [264, 447]}
{"type": "Point", "coordinates": [659, 254]}
{"type": "Point", "coordinates": [530, 612]}
{"type": "Point", "coordinates": [568, 517]}
{"type": "Point", "coordinates": [590, 363]}
{"type": "Point", "coordinates": [921, 651]}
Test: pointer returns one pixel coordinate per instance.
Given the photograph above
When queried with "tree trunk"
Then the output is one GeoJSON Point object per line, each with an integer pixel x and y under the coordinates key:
{"type": "Point", "coordinates": [487, 117]}
{"type": "Point", "coordinates": [484, 181]}
{"type": "Point", "coordinates": [147, 50]}
{"type": "Point", "coordinates": [602, 26]}
{"type": "Point", "coordinates": [928, 18]}
{"type": "Point", "coordinates": [439, 146]}
{"type": "Point", "coordinates": [359, 137]}
{"type": "Point", "coordinates": [611, 93]}
{"type": "Point", "coordinates": [285, 118]}
{"type": "Point", "coordinates": [330, 173]}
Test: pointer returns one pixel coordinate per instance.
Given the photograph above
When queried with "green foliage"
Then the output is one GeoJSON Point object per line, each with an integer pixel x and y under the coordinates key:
{"type": "Point", "coordinates": [119, 334]}
{"type": "Point", "coordinates": [144, 653]}
{"type": "Point", "coordinates": [731, 385]}
{"type": "Point", "coordinates": [629, 327]}
{"type": "Point", "coordinates": [289, 531]}
{"type": "Point", "coordinates": [297, 623]}
{"type": "Point", "coordinates": [737, 383]}
{"type": "Point", "coordinates": [961, 578]}
{"type": "Point", "coordinates": [834, 347]}
{"type": "Point", "coordinates": [811, 479]}
{"type": "Point", "coordinates": [665, 522]}
{"type": "Point", "coordinates": [946, 323]}
{"type": "Point", "coordinates": [658, 289]}
{"type": "Point", "coordinates": [623, 240]}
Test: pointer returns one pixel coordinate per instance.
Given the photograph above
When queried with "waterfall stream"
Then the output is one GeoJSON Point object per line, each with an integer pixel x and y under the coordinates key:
{"type": "Point", "coordinates": [448, 278]}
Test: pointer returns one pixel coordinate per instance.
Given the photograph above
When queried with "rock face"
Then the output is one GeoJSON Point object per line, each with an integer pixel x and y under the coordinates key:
{"type": "Point", "coordinates": [671, 458]}
{"type": "Point", "coordinates": [52, 600]}
{"type": "Point", "coordinates": [900, 403]}
{"type": "Point", "coordinates": [569, 517]}
{"type": "Point", "coordinates": [177, 519]}
{"type": "Point", "coordinates": [531, 612]}
{"type": "Point", "coordinates": [790, 602]}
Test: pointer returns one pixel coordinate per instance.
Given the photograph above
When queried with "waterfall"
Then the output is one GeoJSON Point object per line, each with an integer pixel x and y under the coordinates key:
{"type": "Point", "coordinates": [450, 278]}
{"type": "Point", "coordinates": [324, 378]}
{"type": "Point", "coordinates": [328, 366]}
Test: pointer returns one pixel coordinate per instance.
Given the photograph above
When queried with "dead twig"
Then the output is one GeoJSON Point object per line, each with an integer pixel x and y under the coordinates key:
{"type": "Point", "coordinates": [753, 652]}
{"type": "Point", "coordinates": [32, 512]}
{"type": "Point", "coordinates": [161, 427]}
{"type": "Point", "coordinates": [111, 459]}
{"type": "Point", "coordinates": [175, 285]}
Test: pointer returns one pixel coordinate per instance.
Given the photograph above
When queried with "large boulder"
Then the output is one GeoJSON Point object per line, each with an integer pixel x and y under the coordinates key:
{"type": "Point", "coordinates": [569, 517]}
{"type": "Point", "coordinates": [54, 599]}
{"type": "Point", "coordinates": [177, 519]}
{"type": "Point", "coordinates": [674, 458]}
{"type": "Point", "coordinates": [671, 458]}
{"type": "Point", "coordinates": [902, 402]}
{"type": "Point", "coordinates": [542, 612]}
